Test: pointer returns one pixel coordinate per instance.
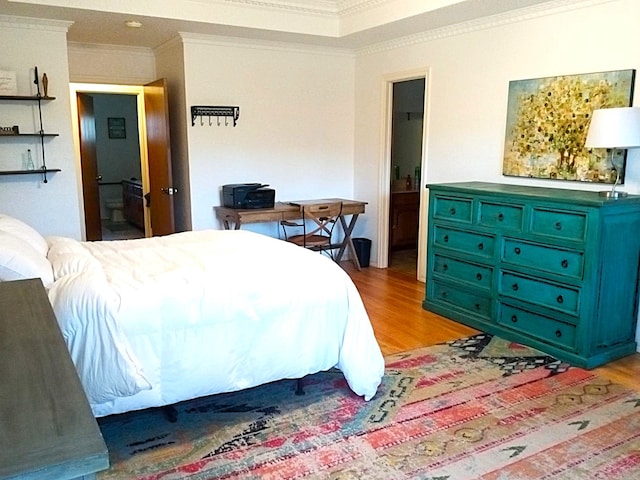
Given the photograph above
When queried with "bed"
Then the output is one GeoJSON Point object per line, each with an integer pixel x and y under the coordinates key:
{"type": "Point", "coordinates": [152, 322]}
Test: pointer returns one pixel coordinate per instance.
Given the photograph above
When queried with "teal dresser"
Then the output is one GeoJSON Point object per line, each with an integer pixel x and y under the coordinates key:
{"type": "Point", "coordinates": [553, 269]}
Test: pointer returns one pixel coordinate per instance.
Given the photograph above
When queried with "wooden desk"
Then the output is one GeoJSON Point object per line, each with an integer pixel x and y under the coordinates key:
{"type": "Point", "coordinates": [234, 218]}
{"type": "Point", "coordinates": [47, 429]}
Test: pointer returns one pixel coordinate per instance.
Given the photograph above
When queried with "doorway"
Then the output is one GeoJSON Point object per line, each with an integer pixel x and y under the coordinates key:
{"type": "Point", "coordinates": [128, 183]}
{"type": "Point", "coordinates": [407, 126]}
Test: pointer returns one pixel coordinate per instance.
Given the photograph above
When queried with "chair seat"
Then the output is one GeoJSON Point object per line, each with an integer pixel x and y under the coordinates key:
{"type": "Point", "coordinates": [309, 241]}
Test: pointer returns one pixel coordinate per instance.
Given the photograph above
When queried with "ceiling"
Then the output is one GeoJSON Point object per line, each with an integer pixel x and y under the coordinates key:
{"type": "Point", "coordinates": [349, 24]}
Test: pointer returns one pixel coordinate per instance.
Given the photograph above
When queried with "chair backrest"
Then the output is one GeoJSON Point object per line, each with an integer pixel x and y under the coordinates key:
{"type": "Point", "coordinates": [324, 217]}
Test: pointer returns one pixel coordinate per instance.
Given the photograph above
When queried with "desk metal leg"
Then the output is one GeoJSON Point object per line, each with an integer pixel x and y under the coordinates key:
{"type": "Point", "coordinates": [348, 242]}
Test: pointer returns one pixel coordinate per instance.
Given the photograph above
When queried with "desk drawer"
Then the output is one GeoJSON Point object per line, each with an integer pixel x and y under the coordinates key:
{"type": "Point", "coordinates": [468, 242]}
{"type": "Point", "coordinates": [562, 298]}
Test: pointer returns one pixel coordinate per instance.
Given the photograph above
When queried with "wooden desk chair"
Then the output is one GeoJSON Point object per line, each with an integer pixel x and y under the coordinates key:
{"type": "Point", "coordinates": [316, 227]}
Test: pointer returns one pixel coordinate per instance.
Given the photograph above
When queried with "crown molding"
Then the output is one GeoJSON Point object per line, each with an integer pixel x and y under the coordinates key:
{"type": "Point", "coordinates": [28, 23]}
{"type": "Point", "coordinates": [220, 41]}
{"type": "Point", "coordinates": [515, 16]}
{"type": "Point", "coordinates": [109, 49]}
{"type": "Point", "coordinates": [315, 7]}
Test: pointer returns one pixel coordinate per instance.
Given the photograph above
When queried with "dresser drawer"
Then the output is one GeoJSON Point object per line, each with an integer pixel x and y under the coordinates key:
{"type": "Point", "coordinates": [559, 297]}
{"type": "Point", "coordinates": [473, 302]}
{"type": "Point", "coordinates": [559, 224]}
{"type": "Point", "coordinates": [569, 263]}
{"type": "Point", "coordinates": [502, 216]}
{"type": "Point", "coordinates": [544, 328]}
{"type": "Point", "coordinates": [476, 275]}
{"type": "Point", "coordinates": [463, 241]}
{"type": "Point", "coordinates": [453, 208]}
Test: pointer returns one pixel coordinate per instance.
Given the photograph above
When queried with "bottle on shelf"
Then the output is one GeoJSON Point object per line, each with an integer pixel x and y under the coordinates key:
{"type": "Point", "coordinates": [30, 165]}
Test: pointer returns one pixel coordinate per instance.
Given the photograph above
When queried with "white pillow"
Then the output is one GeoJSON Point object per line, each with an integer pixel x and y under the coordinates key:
{"type": "Point", "coordinates": [18, 261]}
{"type": "Point", "coordinates": [24, 232]}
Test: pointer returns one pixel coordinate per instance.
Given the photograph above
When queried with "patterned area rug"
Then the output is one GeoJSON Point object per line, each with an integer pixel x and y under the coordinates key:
{"type": "Point", "coordinates": [478, 407]}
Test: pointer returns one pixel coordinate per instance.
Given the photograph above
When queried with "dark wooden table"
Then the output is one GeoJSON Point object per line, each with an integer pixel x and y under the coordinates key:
{"type": "Point", "coordinates": [47, 429]}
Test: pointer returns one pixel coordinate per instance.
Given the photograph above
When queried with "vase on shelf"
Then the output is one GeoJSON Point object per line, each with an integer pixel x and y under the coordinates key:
{"type": "Point", "coordinates": [45, 85]}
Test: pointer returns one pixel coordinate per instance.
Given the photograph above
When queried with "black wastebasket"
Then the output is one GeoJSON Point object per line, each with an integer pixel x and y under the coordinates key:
{"type": "Point", "coordinates": [363, 250]}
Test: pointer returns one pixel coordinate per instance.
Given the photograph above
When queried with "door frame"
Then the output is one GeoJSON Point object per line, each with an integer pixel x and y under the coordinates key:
{"type": "Point", "coordinates": [138, 91]}
{"type": "Point", "coordinates": [385, 168]}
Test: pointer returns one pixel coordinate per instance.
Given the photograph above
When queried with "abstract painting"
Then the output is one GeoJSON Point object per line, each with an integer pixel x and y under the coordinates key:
{"type": "Point", "coordinates": [547, 123]}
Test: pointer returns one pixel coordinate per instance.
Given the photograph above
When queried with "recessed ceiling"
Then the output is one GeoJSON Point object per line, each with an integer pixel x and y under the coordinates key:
{"type": "Point", "coordinates": [348, 24]}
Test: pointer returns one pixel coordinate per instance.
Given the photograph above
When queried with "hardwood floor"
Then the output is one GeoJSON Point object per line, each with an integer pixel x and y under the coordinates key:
{"type": "Point", "coordinates": [394, 302]}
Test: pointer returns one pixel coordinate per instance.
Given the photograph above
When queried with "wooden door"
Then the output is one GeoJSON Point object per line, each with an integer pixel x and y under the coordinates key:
{"type": "Point", "coordinates": [89, 166]}
{"type": "Point", "coordinates": [161, 190]}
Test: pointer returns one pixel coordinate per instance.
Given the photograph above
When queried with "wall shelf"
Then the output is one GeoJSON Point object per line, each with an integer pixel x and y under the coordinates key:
{"type": "Point", "coordinates": [33, 98]}
{"type": "Point", "coordinates": [30, 172]}
{"type": "Point", "coordinates": [39, 98]}
{"type": "Point", "coordinates": [13, 135]}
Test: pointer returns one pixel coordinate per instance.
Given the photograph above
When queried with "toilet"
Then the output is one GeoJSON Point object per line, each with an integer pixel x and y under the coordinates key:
{"type": "Point", "coordinates": [115, 206]}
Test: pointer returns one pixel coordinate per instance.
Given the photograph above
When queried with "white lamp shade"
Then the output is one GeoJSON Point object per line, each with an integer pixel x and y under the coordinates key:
{"type": "Point", "coordinates": [614, 128]}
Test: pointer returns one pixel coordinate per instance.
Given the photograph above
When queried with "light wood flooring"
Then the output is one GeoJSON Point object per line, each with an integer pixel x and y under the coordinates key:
{"type": "Point", "coordinates": [393, 300]}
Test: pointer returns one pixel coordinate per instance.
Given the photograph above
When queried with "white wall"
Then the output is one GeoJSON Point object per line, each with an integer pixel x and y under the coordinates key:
{"type": "Point", "coordinates": [470, 67]}
{"type": "Point", "coordinates": [54, 207]}
{"type": "Point", "coordinates": [120, 65]}
{"type": "Point", "coordinates": [295, 130]}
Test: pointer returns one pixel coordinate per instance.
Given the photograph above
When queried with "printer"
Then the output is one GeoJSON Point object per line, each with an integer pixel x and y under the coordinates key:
{"type": "Point", "coordinates": [248, 195]}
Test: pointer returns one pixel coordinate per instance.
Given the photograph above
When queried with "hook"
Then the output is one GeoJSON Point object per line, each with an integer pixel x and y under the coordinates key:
{"type": "Point", "coordinates": [218, 118]}
{"type": "Point", "coordinates": [226, 121]}
{"type": "Point", "coordinates": [209, 120]}
{"type": "Point", "coordinates": [201, 121]}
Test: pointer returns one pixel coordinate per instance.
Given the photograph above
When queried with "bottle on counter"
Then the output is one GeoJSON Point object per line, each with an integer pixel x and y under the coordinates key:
{"type": "Point", "coordinates": [416, 178]}
{"type": "Point", "coordinates": [396, 171]}
{"type": "Point", "coordinates": [409, 184]}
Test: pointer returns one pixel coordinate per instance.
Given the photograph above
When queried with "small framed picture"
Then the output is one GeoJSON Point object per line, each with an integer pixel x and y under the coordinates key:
{"type": "Point", "coordinates": [117, 128]}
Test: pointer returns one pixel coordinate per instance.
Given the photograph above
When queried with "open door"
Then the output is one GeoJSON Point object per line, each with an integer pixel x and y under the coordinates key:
{"type": "Point", "coordinates": [89, 166]}
{"type": "Point", "coordinates": [159, 199]}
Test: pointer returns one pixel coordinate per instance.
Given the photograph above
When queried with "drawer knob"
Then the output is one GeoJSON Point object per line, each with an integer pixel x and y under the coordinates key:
{"type": "Point", "coordinates": [517, 250]}
{"type": "Point", "coordinates": [558, 333]}
{"type": "Point", "coordinates": [560, 299]}
{"type": "Point", "coordinates": [564, 263]}
{"type": "Point", "coordinates": [515, 287]}
{"type": "Point", "coordinates": [558, 226]}
{"type": "Point", "coordinates": [500, 217]}
{"type": "Point", "coordinates": [445, 267]}
{"type": "Point", "coordinates": [452, 211]}
{"type": "Point", "coordinates": [445, 239]}
{"type": "Point", "coordinates": [443, 294]}
{"type": "Point", "coordinates": [481, 246]}
{"type": "Point", "coordinates": [514, 318]}
{"type": "Point", "coordinates": [478, 276]}
{"type": "Point", "coordinates": [477, 305]}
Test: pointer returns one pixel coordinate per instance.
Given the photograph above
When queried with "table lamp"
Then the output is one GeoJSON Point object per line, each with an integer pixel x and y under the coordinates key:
{"type": "Point", "coordinates": [614, 128]}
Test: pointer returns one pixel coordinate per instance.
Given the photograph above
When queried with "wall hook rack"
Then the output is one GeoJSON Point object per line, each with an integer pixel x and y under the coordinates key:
{"type": "Point", "coordinates": [207, 111]}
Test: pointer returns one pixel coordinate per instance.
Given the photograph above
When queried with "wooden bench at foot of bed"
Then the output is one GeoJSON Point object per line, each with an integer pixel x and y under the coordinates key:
{"type": "Point", "coordinates": [47, 429]}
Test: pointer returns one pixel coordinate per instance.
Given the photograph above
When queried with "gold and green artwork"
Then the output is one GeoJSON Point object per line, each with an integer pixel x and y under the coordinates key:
{"type": "Point", "coordinates": [547, 123]}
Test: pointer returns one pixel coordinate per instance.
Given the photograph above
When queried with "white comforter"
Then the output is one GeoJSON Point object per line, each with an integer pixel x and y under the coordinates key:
{"type": "Point", "coordinates": [156, 321]}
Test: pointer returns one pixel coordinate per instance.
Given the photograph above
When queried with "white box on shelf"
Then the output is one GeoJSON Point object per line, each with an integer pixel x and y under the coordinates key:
{"type": "Point", "coordinates": [8, 84]}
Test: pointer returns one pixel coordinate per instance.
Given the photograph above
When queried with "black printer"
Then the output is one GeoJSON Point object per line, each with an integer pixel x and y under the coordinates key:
{"type": "Point", "coordinates": [248, 195]}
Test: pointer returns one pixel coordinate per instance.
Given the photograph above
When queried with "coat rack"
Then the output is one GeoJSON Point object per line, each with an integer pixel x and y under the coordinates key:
{"type": "Point", "coordinates": [206, 111]}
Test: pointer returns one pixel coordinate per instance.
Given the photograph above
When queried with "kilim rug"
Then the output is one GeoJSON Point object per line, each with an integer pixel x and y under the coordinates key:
{"type": "Point", "coordinates": [478, 407]}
